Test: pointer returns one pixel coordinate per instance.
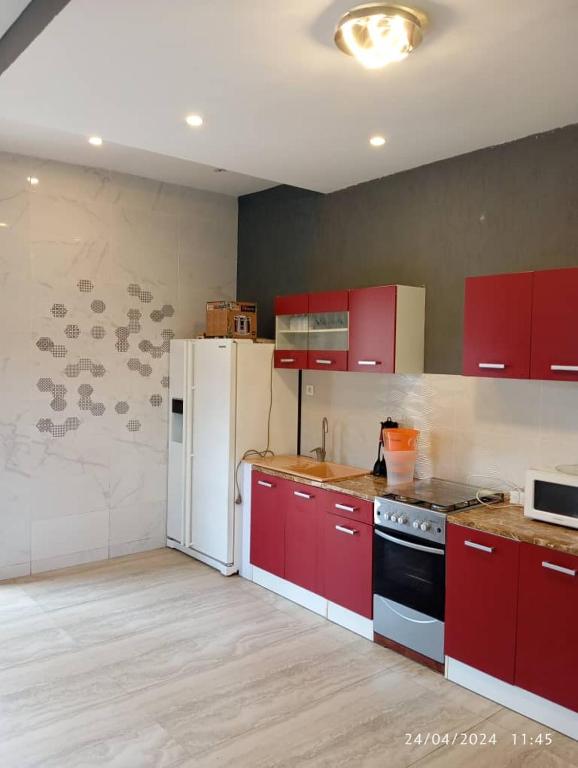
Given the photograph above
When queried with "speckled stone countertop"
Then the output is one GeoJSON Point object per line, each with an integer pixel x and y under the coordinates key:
{"type": "Point", "coordinates": [364, 487]}
{"type": "Point", "coordinates": [511, 523]}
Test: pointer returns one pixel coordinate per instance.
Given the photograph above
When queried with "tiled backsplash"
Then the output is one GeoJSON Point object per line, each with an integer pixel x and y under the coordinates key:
{"type": "Point", "coordinates": [98, 271]}
{"type": "Point", "coordinates": [470, 428]}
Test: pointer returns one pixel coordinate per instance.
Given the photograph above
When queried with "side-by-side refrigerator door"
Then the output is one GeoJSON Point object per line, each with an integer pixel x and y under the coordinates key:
{"type": "Point", "coordinates": [211, 512]}
{"type": "Point", "coordinates": [180, 363]}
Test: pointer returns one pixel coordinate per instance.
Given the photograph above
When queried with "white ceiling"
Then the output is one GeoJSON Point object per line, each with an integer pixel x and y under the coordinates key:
{"type": "Point", "coordinates": [10, 10]}
{"type": "Point", "coordinates": [280, 102]}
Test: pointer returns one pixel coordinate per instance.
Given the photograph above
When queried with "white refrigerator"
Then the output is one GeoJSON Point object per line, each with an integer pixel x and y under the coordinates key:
{"type": "Point", "coordinates": [226, 398]}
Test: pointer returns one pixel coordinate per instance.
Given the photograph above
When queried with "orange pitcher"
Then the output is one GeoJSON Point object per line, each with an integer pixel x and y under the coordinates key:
{"type": "Point", "coordinates": [400, 439]}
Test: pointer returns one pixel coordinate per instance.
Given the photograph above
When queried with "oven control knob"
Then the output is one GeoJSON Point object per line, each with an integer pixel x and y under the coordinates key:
{"type": "Point", "coordinates": [425, 526]}
{"type": "Point", "coordinates": [385, 515]}
{"type": "Point", "coordinates": [416, 524]}
{"type": "Point", "coordinates": [402, 520]}
{"type": "Point", "coordinates": [393, 519]}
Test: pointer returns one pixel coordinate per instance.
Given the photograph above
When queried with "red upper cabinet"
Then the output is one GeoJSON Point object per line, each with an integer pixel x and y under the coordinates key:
{"type": "Point", "coordinates": [291, 330]}
{"type": "Point", "coordinates": [481, 600]}
{"type": "Point", "coordinates": [386, 329]}
{"type": "Point", "coordinates": [498, 326]}
{"type": "Point", "coordinates": [302, 546]}
{"type": "Point", "coordinates": [328, 331]}
{"type": "Point", "coordinates": [268, 523]}
{"type": "Point", "coordinates": [548, 625]}
{"type": "Point", "coordinates": [554, 325]}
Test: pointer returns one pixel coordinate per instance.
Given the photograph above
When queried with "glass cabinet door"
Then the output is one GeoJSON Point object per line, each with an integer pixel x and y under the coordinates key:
{"type": "Point", "coordinates": [291, 331]}
{"type": "Point", "coordinates": [329, 331]}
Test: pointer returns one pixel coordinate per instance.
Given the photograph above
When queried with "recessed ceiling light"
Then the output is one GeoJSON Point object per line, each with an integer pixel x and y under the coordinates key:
{"type": "Point", "coordinates": [3, 225]}
{"type": "Point", "coordinates": [32, 180]}
{"type": "Point", "coordinates": [195, 121]}
{"type": "Point", "coordinates": [377, 141]}
{"type": "Point", "coordinates": [377, 34]}
{"type": "Point", "coordinates": [96, 141]}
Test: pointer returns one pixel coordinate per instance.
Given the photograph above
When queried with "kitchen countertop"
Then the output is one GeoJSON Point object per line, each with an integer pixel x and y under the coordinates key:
{"type": "Point", "coordinates": [365, 487]}
{"type": "Point", "coordinates": [511, 523]}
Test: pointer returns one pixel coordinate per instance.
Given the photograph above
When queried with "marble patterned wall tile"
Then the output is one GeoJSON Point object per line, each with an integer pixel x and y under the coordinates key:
{"type": "Point", "coordinates": [98, 271]}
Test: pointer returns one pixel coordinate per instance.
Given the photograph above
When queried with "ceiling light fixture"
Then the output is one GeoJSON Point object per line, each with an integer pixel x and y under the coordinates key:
{"type": "Point", "coordinates": [195, 121]}
{"type": "Point", "coordinates": [377, 141]}
{"type": "Point", "coordinates": [32, 180]}
{"type": "Point", "coordinates": [3, 225]}
{"type": "Point", "coordinates": [96, 141]}
{"type": "Point", "coordinates": [377, 34]}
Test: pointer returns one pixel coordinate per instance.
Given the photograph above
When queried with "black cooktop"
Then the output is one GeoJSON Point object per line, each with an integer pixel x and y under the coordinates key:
{"type": "Point", "coordinates": [440, 495]}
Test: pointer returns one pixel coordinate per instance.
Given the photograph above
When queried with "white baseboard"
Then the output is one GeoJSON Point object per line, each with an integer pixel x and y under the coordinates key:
{"type": "Point", "coordinates": [512, 697]}
{"type": "Point", "coordinates": [292, 592]}
{"type": "Point", "coordinates": [14, 571]}
{"type": "Point", "coordinates": [226, 570]}
{"type": "Point", "coordinates": [353, 621]}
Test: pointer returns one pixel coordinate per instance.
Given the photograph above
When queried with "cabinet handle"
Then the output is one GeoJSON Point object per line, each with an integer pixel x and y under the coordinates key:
{"type": "Point", "coordinates": [287, 360]}
{"type": "Point", "coordinates": [345, 508]}
{"type": "Point", "coordinates": [264, 484]}
{"type": "Point", "coordinates": [495, 366]}
{"type": "Point", "coordinates": [564, 367]}
{"type": "Point", "coordinates": [302, 495]}
{"type": "Point", "coordinates": [368, 362]}
{"type": "Point", "coordinates": [324, 362]}
{"type": "Point", "coordinates": [343, 529]}
{"type": "Point", "coordinates": [558, 568]}
{"type": "Point", "coordinates": [481, 547]}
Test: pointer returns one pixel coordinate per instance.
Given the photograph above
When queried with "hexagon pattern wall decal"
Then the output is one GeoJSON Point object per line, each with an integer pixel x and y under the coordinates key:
{"type": "Point", "coordinates": [45, 344]}
{"type": "Point", "coordinates": [72, 331]}
{"type": "Point", "coordinates": [58, 430]}
{"type": "Point", "coordinates": [73, 370]}
{"type": "Point", "coordinates": [96, 369]}
{"type": "Point", "coordinates": [59, 310]}
{"type": "Point", "coordinates": [97, 332]}
{"type": "Point", "coordinates": [85, 402]}
{"type": "Point", "coordinates": [135, 290]}
{"type": "Point", "coordinates": [157, 315]}
{"type": "Point", "coordinates": [98, 306]}
{"type": "Point", "coordinates": [143, 368]}
{"type": "Point", "coordinates": [58, 391]}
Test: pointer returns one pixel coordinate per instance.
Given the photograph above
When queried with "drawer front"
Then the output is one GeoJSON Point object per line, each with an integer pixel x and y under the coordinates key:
{"type": "Point", "coordinates": [347, 506]}
{"type": "Point", "coordinates": [291, 358]}
{"type": "Point", "coordinates": [548, 625]}
{"type": "Point", "coordinates": [327, 361]}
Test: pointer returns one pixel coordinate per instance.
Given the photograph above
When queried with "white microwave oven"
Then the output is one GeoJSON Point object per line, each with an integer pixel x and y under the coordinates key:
{"type": "Point", "coordinates": [552, 496]}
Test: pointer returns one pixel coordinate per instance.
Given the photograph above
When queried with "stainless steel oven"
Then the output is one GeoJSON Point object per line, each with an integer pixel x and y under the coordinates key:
{"type": "Point", "coordinates": [409, 562]}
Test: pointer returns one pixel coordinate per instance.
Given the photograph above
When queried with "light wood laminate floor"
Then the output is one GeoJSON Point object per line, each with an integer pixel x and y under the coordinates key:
{"type": "Point", "coordinates": [157, 661]}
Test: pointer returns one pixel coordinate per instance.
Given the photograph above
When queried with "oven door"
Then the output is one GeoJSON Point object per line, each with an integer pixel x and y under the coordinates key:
{"type": "Point", "coordinates": [409, 571]}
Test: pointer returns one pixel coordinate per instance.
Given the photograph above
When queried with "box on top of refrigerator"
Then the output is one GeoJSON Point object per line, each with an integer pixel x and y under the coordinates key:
{"type": "Point", "coordinates": [232, 319]}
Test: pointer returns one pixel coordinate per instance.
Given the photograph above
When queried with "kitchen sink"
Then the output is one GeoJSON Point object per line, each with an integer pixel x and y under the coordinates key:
{"type": "Point", "coordinates": [302, 466]}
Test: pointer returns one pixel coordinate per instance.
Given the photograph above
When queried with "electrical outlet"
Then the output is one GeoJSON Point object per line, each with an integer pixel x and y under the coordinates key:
{"type": "Point", "coordinates": [309, 390]}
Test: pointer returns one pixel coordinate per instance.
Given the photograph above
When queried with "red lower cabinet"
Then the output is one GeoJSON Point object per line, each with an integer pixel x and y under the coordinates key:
{"type": "Point", "coordinates": [481, 601]}
{"type": "Point", "coordinates": [302, 550]}
{"type": "Point", "coordinates": [548, 625]}
{"type": "Point", "coordinates": [268, 523]}
{"type": "Point", "coordinates": [347, 563]}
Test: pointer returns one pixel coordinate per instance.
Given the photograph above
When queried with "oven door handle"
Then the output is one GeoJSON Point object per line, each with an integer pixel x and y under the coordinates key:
{"type": "Point", "coordinates": [420, 547]}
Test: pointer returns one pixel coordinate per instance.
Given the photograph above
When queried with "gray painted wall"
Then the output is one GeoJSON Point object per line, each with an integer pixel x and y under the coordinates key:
{"type": "Point", "coordinates": [503, 209]}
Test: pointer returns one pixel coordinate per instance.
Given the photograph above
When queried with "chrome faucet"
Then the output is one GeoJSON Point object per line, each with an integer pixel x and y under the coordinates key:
{"type": "Point", "coordinates": [321, 453]}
